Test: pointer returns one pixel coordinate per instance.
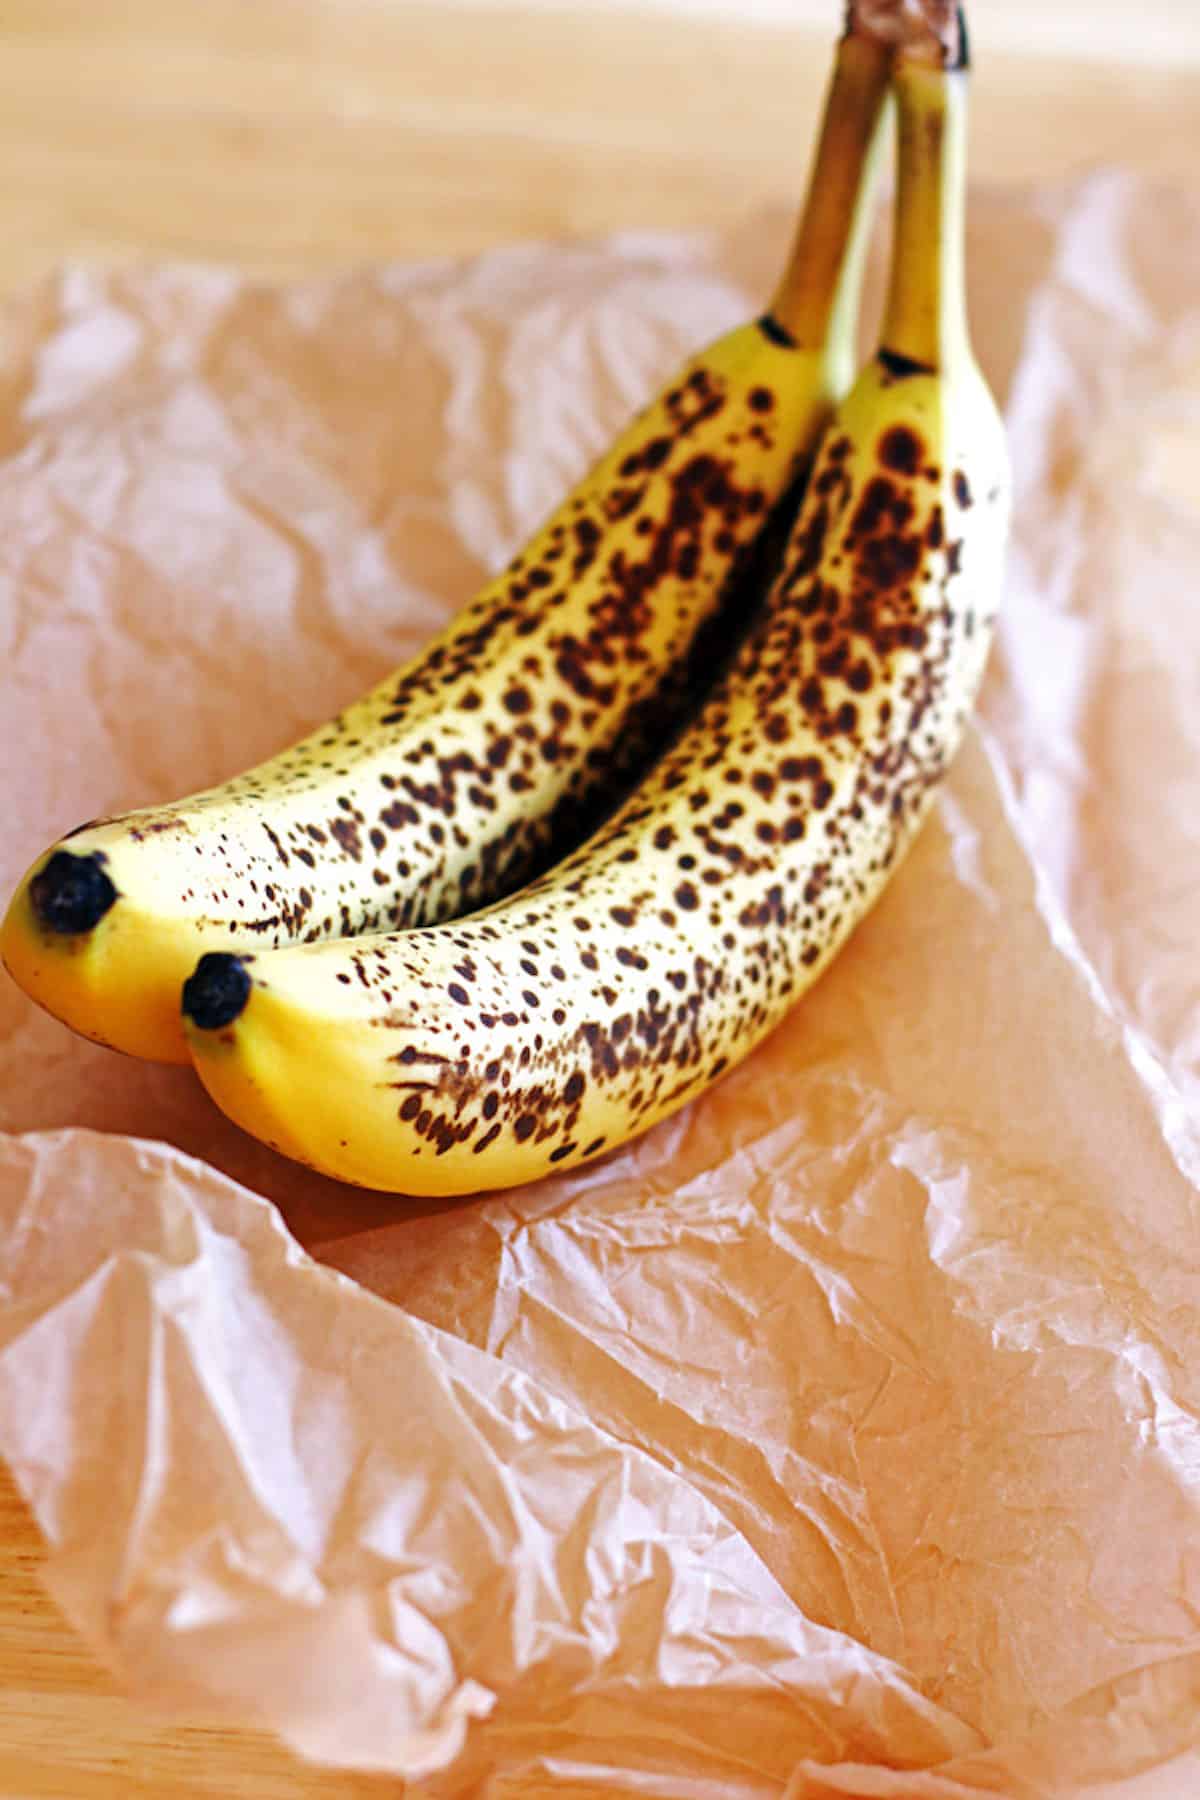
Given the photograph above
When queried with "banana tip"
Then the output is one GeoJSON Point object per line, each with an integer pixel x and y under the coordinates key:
{"type": "Point", "coordinates": [216, 991]}
{"type": "Point", "coordinates": [71, 894]}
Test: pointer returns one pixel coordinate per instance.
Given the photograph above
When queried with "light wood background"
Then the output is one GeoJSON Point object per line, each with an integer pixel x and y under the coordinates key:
{"type": "Point", "coordinates": [287, 135]}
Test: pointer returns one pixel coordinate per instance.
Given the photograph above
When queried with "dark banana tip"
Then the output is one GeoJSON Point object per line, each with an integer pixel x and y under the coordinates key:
{"type": "Point", "coordinates": [71, 894]}
{"type": "Point", "coordinates": [216, 991]}
{"type": "Point", "coordinates": [963, 58]}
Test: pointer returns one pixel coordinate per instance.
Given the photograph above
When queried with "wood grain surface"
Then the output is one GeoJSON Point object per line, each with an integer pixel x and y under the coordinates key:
{"type": "Point", "coordinates": [290, 135]}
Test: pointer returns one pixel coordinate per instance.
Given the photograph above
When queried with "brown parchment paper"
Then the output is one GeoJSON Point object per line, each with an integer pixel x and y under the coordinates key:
{"type": "Point", "coordinates": [840, 1437]}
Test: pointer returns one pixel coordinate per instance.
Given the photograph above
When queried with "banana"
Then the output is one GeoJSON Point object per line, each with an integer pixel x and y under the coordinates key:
{"type": "Point", "coordinates": [562, 1021]}
{"type": "Point", "coordinates": [512, 734]}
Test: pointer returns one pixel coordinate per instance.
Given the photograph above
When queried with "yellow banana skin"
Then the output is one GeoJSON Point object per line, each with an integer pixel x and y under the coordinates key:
{"type": "Point", "coordinates": [562, 1021]}
{"type": "Point", "coordinates": [454, 773]}
{"type": "Point", "coordinates": [461, 774]}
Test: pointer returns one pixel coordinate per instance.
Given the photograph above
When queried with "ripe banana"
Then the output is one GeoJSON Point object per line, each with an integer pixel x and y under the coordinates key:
{"type": "Point", "coordinates": [569, 1017]}
{"type": "Point", "coordinates": [462, 773]}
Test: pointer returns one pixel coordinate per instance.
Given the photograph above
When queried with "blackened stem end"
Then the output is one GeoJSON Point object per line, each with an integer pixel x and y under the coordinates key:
{"type": "Point", "coordinates": [217, 991]}
{"type": "Point", "coordinates": [71, 894]}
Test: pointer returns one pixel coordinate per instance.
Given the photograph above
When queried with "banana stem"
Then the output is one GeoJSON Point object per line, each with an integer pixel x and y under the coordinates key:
{"type": "Point", "coordinates": [925, 317]}
{"type": "Point", "coordinates": [930, 31]}
{"type": "Point", "coordinates": [816, 302]}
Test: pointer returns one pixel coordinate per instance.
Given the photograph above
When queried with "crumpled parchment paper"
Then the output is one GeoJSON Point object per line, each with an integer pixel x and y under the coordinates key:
{"type": "Point", "coordinates": [838, 1438]}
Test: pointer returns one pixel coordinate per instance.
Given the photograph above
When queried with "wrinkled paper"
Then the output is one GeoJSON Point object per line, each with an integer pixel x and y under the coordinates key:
{"type": "Point", "coordinates": [840, 1436]}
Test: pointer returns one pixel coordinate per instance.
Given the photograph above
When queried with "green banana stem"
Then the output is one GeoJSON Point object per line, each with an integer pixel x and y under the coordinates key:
{"type": "Point", "coordinates": [817, 299]}
{"type": "Point", "coordinates": [925, 317]}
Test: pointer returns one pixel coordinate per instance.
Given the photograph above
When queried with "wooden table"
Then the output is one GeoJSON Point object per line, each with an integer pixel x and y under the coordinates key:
{"type": "Point", "coordinates": [298, 134]}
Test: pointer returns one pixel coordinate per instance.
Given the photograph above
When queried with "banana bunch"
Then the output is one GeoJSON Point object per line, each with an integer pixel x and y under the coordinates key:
{"type": "Point", "coordinates": [493, 1040]}
{"type": "Point", "coordinates": [463, 773]}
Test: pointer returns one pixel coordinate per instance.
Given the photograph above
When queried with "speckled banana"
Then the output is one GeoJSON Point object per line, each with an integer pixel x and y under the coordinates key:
{"type": "Point", "coordinates": [508, 738]}
{"type": "Point", "coordinates": [559, 1023]}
